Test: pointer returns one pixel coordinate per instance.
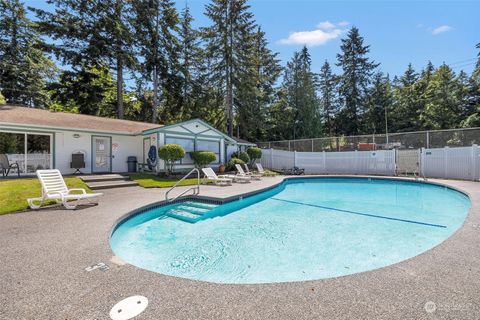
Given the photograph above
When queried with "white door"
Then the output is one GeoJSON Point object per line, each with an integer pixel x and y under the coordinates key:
{"type": "Point", "coordinates": [101, 154]}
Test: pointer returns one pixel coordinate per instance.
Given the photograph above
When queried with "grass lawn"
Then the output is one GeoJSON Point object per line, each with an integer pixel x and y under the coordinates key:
{"type": "Point", "coordinates": [14, 193]}
{"type": "Point", "coordinates": [153, 181]}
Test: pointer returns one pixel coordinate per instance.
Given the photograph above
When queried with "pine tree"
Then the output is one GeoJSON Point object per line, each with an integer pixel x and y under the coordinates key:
{"type": "Point", "coordinates": [379, 104]}
{"type": "Point", "coordinates": [191, 61]}
{"type": "Point", "coordinates": [357, 72]}
{"type": "Point", "coordinates": [256, 89]}
{"type": "Point", "coordinates": [443, 104]}
{"type": "Point", "coordinates": [24, 68]}
{"type": "Point", "coordinates": [328, 101]}
{"type": "Point", "coordinates": [472, 118]}
{"type": "Point", "coordinates": [227, 40]}
{"type": "Point", "coordinates": [408, 102]}
{"type": "Point", "coordinates": [299, 84]}
{"type": "Point", "coordinates": [91, 33]}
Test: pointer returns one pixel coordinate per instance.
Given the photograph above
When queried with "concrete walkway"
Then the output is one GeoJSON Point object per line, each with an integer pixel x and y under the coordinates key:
{"type": "Point", "coordinates": [43, 256]}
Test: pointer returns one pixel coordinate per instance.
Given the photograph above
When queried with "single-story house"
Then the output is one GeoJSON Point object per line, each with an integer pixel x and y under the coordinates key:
{"type": "Point", "coordinates": [37, 138]}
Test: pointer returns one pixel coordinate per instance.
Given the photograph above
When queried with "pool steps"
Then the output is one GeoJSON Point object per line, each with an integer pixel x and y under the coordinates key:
{"type": "Point", "coordinates": [190, 211]}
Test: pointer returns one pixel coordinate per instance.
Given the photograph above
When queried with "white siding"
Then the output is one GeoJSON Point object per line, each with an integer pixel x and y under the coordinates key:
{"type": "Point", "coordinates": [66, 144]}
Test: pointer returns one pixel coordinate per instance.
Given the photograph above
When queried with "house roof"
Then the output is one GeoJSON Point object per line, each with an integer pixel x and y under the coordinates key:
{"type": "Point", "coordinates": [241, 141]}
{"type": "Point", "coordinates": [45, 118]}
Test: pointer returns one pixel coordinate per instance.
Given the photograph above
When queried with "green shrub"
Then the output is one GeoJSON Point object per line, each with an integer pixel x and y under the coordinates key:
{"type": "Point", "coordinates": [242, 155]}
{"type": "Point", "coordinates": [232, 162]}
{"type": "Point", "coordinates": [254, 153]}
{"type": "Point", "coordinates": [170, 153]}
{"type": "Point", "coordinates": [202, 158]}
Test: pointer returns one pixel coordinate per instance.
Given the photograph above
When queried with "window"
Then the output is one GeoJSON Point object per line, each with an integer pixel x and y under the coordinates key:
{"type": "Point", "coordinates": [187, 144]}
{"type": "Point", "coordinates": [213, 146]}
{"type": "Point", "coordinates": [31, 151]}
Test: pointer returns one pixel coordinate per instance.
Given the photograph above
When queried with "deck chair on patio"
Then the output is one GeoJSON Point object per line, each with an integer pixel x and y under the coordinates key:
{"type": "Point", "coordinates": [54, 188]}
{"type": "Point", "coordinates": [241, 173]}
{"type": "Point", "coordinates": [210, 175]}
{"type": "Point", "coordinates": [254, 176]}
{"type": "Point", "coordinates": [6, 166]}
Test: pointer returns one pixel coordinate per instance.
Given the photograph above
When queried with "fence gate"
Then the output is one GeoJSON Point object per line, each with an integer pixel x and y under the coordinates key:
{"type": "Point", "coordinates": [408, 161]}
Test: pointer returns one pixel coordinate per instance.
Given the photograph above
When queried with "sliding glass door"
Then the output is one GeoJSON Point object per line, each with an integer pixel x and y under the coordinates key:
{"type": "Point", "coordinates": [31, 151]}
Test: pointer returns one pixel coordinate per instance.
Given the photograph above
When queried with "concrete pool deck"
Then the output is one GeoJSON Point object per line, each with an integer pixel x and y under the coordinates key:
{"type": "Point", "coordinates": [44, 255]}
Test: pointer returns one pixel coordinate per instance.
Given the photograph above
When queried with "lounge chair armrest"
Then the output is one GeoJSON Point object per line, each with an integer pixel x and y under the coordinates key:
{"type": "Point", "coordinates": [77, 189]}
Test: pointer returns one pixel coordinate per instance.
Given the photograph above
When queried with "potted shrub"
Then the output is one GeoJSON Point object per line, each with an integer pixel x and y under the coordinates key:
{"type": "Point", "coordinates": [170, 153]}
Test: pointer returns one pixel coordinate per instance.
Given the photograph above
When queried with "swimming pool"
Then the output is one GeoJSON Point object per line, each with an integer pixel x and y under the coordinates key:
{"type": "Point", "coordinates": [303, 229]}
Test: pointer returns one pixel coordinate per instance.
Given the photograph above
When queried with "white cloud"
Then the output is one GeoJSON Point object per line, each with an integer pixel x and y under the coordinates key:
{"type": "Point", "coordinates": [441, 29]}
{"type": "Point", "coordinates": [324, 32]}
{"type": "Point", "coordinates": [312, 38]}
{"type": "Point", "coordinates": [325, 25]}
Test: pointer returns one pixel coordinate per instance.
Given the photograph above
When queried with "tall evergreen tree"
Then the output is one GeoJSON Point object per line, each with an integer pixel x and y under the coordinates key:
{"type": "Point", "coordinates": [408, 102]}
{"type": "Point", "coordinates": [24, 68]}
{"type": "Point", "coordinates": [328, 100]}
{"type": "Point", "coordinates": [91, 33]}
{"type": "Point", "coordinates": [443, 106]}
{"type": "Point", "coordinates": [379, 104]}
{"type": "Point", "coordinates": [357, 72]}
{"type": "Point", "coordinates": [255, 92]}
{"type": "Point", "coordinates": [473, 97]}
{"type": "Point", "coordinates": [155, 23]}
{"type": "Point", "coordinates": [299, 83]}
{"type": "Point", "coordinates": [227, 40]}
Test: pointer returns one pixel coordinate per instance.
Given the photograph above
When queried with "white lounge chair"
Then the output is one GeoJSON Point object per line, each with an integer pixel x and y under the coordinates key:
{"type": "Point", "coordinates": [255, 176]}
{"type": "Point", "coordinates": [262, 171]}
{"type": "Point", "coordinates": [242, 173]}
{"type": "Point", "coordinates": [210, 175]}
{"type": "Point", "coordinates": [54, 188]}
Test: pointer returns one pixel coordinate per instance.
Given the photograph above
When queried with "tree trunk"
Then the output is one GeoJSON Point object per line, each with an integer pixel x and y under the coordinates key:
{"type": "Point", "coordinates": [119, 87]}
{"type": "Point", "coordinates": [229, 71]}
{"type": "Point", "coordinates": [155, 95]}
{"type": "Point", "coordinates": [120, 111]}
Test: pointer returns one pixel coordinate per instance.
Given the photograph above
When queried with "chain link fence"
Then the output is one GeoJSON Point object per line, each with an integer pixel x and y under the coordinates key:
{"type": "Point", "coordinates": [405, 140]}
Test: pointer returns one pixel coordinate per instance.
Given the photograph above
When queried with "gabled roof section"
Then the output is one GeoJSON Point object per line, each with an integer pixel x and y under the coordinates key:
{"type": "Point", "coordinates": [32, 117]}
{"type": "Point", "coordinates": [193, 127]}
{"type": "Point", "coordinates": [244, 142]}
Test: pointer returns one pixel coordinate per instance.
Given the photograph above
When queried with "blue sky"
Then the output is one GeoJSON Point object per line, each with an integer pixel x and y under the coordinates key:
{"type": "Point", "coordinates": [398, 32]}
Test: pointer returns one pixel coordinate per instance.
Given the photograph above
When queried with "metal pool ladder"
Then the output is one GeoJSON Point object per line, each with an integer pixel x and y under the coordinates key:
{"type": "Point", "coordinates": [196, 189]}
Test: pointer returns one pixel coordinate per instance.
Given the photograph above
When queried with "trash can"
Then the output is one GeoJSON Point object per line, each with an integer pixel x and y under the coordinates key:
{"type": "Point", "coordinates": [132, 164]}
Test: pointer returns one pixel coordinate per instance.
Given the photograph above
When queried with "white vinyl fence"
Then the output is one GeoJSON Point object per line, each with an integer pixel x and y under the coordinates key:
{"type": "Point", "coordinates": [451, 163]}
{"type": "Point", "coordinates": [354, 162]}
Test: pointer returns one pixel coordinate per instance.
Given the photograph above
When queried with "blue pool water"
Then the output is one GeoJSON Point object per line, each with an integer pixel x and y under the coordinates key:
{"type": "Point", "coordinates": [301, 230]}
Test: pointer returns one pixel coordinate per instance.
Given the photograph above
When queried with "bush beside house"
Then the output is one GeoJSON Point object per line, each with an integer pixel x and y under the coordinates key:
{"type": "Point", "coordinates": [170, 153]}
{"type": "Point", "coordinates": [202, 158]}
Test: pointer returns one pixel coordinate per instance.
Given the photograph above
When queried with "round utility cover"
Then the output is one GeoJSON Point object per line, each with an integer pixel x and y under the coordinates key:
{"type": "Point", "coordinates": [128, 308]}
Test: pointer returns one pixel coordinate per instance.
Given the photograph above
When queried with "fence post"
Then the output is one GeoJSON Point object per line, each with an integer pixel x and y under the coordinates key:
{"type": "Point", "coordinates": [271, 159]}
{"type": "Point", "coordinates": [428, 139]}
{"type": "Point", "coordinates": [289, 145]}
{"type": "Point", "coordinates": [356, 161]}
{"type": "Point", "coordinates": [324, 161]}
{"type": "Point", "coordinates": [294, 158]}
{"type": "Point", "coordinates": [422, 161]}
{"type": "Point", "coordinates": [445, 161]}
{"type": "Point", "coordinates": [474, 162]}
{"type": "Point", "coordinates": [312, 145]}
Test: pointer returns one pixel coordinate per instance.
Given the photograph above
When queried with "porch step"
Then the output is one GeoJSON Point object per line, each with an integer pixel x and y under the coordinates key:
{"type": "Point", "coordinates": [111, 184]}
{"type": "Point", "coordinates": [104, 177]}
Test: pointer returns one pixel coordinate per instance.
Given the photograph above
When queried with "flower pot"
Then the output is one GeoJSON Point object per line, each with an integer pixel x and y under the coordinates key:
{"type": "Point", "coordinates": [221, 168]}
